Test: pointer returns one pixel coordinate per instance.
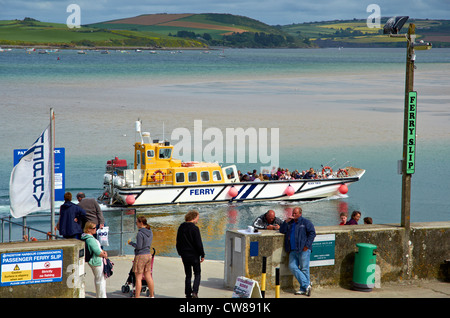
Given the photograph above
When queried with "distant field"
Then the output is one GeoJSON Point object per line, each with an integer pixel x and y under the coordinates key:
{"type": "Point", "coordinates": [50, 33]}
{"type": "Point", "coordinates": [354, 32]}
{"type": "Point", "coordinates": [150, 19]}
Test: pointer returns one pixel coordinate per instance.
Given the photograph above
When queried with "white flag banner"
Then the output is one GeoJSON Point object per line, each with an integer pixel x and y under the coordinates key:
{"type": "Point", "coordinates": [30, 183]}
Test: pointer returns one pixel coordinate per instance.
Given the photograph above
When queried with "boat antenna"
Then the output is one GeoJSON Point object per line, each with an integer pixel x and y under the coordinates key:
{"type": "Point", "coordinates": [138, 129]}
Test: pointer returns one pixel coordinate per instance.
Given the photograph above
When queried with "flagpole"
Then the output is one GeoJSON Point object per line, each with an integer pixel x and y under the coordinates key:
{"type": "Point", "coordinates": [52, 172]}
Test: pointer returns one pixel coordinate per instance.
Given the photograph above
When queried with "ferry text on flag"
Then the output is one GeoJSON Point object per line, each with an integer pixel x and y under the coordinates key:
{"type": "Point", "coordinates": [30, 185]}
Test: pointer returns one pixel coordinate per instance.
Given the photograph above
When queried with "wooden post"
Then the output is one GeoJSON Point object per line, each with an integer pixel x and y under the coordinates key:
{"type": "Point", "coordinates": [409, 86]}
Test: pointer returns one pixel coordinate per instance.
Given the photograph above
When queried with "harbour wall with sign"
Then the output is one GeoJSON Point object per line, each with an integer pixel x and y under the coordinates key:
{"type": "Point", "coordinates": [423, 252]}
{"type": "Point", "coordinates": [47, 269]}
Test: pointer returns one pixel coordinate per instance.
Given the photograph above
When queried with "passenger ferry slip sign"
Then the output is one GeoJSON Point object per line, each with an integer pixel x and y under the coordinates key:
{"type": "Point", "coordinates": [32, 267]}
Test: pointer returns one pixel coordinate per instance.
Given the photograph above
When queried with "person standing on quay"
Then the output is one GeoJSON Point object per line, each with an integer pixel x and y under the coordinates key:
{"type": "Point", "coordinates": [94, 213]}
{"type": "Point", "coordinates": [71, 218]}
{"type": "Point", "coordinates": [190, 247]}
{"type": "Point", "coordinates": [96, 258]}
{"type": "Point", "coordinates": [299, 236]}
{"type": "Point", "coordinates": [142, 264]}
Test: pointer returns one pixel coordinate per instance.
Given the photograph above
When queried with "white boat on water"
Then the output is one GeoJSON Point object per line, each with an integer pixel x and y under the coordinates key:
{"type": "Point", "coordinates": [158, 179]}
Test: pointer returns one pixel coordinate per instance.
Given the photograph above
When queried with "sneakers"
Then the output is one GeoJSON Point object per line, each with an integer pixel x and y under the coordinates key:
{"type": "Point", "coordinates": [306, 293]}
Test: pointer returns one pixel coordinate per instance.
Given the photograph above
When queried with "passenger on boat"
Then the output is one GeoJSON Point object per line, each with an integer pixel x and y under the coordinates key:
{"type": "Point", "coordinates": [310, 174]}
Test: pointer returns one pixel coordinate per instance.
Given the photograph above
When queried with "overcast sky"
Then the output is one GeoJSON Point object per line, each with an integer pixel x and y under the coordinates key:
{"type": "Point", "coordinates": [268, 11]}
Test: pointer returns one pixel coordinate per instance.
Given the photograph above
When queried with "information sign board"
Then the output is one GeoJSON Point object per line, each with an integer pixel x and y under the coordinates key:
{"type": "Point", "coordinates": [323, 250]}
{"type": "Point", "coordinates": [33, 267]}
{"type": "Point", "coordinates": [60, 179]}
{"type": "Point", "coordinates": [411, 137]}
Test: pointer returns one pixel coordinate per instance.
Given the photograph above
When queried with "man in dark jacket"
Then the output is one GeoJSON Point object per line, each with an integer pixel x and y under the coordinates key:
{"type": "Point", "coordinates": [190, 248]}
{"type": "Point", "coordinates": [299, 236]}
{"type": "Point", "coordinates": [71, 218]}
{"type": "Point", "coordinates": [267, 221]}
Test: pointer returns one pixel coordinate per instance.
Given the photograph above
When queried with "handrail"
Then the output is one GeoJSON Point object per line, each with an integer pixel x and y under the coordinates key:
{"type": "Point", "coordinates": [27, 230]}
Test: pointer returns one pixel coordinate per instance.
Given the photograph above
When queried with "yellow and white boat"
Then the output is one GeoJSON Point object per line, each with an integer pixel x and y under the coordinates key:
{"type": "Point", "coordinates": [158, 179]}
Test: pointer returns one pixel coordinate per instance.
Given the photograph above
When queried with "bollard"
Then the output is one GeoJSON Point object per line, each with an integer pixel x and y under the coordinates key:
{"type": "Point", "coordinates": [277, 282]}
{"type": "Point", "coordinates": [263, 277]}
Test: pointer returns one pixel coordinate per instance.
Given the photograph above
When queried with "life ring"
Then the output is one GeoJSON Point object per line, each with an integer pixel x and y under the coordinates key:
{"type": "Point", "coordinates": [327, 169]}
{"type": "Point", "coordinates": [160, 179]}
{"type": "Point", "coordinates": [342, 173]}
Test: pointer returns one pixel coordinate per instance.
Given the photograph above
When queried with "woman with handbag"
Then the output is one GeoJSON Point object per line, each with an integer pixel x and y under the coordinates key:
{"type": "Point", "coordinates": [95, 257]}
{"type": "Point", "coordinates": [142, 264]}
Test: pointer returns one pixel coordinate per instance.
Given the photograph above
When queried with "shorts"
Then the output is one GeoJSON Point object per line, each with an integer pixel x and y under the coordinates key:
{"type": "Point", "coordinates": [142, 263]}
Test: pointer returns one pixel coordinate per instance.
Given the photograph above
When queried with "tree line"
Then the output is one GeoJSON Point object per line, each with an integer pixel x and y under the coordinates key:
{"type": "Point", "coordinates": [247, 39]}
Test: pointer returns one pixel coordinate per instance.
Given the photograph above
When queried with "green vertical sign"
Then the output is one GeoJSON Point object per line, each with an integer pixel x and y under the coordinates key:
{"type": "Point", "coordinates": [411, 138]}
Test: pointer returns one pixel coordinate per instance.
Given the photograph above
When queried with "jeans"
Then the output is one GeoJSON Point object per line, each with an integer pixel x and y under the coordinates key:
{"type": "Point", "coordinates": [299, 266]}
{"type": "Point", "coordinates": [191, 263]}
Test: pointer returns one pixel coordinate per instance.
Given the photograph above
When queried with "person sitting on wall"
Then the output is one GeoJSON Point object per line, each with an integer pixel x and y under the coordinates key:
{"type": "Point", "coordinates": [356, 215]}
{"type": "Point", "coordinates": [267, 221]}
{"type": "Point", "coordinates": [368, 220]}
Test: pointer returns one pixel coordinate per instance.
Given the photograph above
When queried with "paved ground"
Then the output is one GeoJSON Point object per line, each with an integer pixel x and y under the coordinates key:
{"type": "Point", "coordinates": [169, 283]}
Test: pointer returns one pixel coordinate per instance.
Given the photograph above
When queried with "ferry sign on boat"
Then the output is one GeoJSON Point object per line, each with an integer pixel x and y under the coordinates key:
{"type": "Point", "coordinates": [158, 179]}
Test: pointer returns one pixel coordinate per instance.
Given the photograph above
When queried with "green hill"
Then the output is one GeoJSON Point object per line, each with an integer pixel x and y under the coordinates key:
{"type": "Point", "coordinates": [151, 31]}
{"type": "Point", "coordinates": [210, 28]}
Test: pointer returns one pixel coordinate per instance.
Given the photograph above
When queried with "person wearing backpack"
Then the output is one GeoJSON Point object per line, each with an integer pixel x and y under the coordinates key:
{"type": "Point", "coordinates": [94, 256]}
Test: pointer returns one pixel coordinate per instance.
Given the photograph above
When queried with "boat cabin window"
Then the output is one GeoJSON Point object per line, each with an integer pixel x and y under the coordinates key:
{"type": "Point", "coordinates": [230, 173]}
{"type": "Point", "coordinates": [179, 177]}
{"type": "Point", "coordinates": [150, 153]}
{"type": "Point", "coordinates": [138, 157]}
{"type": "Point", "coordinates": [217, 176]}
{"type": "Point", "coordinates": [204, 176]}
{"type": "Point", "coordinates": [165, 153]}
{"type": "Point", "coordinates": [192, 176]}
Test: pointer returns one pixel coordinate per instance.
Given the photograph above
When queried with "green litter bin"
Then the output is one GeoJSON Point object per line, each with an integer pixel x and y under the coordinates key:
{"type": "Point", "coordinates": [364, 267]}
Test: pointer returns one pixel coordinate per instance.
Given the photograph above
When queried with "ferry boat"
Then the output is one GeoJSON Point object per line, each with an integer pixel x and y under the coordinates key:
{"type": "Point", "coordinates": [158, 179]}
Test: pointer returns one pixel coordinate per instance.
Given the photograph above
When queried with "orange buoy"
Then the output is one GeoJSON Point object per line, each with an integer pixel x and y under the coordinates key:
{"type": "Point", "coordinates": [289, 190]}
{"type": "Point", "coordinates": [343, 189]}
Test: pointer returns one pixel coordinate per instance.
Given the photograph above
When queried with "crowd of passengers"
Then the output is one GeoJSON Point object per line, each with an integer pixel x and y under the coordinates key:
{"type": "Point", "coordinates": [282, 174]}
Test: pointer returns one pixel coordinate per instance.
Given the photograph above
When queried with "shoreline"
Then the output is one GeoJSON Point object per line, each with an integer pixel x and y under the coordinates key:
{"type": "Point", "coordinates": [93, 48]}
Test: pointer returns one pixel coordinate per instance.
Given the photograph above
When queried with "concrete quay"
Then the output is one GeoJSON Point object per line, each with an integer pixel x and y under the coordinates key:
{"type": "Point", "coordinates": [168, 275]}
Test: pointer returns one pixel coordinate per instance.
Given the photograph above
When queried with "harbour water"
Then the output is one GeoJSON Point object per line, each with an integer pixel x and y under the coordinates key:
{"type": "Point", "coordinates": [332, 106]}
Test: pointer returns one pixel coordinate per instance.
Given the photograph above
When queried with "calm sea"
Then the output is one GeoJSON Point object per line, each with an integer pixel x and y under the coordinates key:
{"type": "Point", "coordinates": [333, 107]}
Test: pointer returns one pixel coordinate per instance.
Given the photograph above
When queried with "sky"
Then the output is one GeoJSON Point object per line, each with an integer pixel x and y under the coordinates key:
{"type": "Point", "coordinates": [271, 12]}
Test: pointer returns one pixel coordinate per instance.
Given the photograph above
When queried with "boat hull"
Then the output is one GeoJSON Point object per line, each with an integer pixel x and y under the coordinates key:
{"type": "Point", "coordinates": [219, 193]}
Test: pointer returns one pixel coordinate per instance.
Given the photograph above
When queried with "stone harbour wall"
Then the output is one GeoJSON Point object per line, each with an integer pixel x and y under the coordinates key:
{"type": "Point", "coordinates": [421, 253]}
